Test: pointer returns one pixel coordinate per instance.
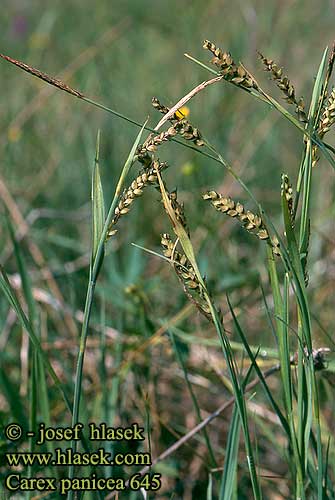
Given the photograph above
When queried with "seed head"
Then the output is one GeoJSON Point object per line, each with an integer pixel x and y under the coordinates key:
{"type": "Point", "coordinates": [231, 71]}
{"type": "Point", "coordinates": [287, 192]}
{"type": "Point", "coordinates": [186, 274]}
{"type": "Point", "coordinates": [135, 190]}
{"type": "Point", "coordinates": [285, 86]}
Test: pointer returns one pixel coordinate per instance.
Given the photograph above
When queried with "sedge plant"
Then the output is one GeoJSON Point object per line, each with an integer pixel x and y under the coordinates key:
{"type": "Point", "coordinates": [286, 259]}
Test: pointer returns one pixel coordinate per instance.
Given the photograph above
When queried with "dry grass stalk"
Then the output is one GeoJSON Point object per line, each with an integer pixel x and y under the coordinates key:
{"type": "Point", "coordinates": [180, 124]}
{"type": "Point", "coordinates": [186, 98]}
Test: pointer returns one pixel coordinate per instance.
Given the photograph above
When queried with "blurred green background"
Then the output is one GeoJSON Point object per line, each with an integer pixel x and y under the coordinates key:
{"type": "Point", "coordinates": [121, 54]}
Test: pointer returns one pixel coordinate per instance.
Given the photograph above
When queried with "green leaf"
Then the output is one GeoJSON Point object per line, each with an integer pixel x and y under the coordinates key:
{"type": "Point", "coordinates": [231, 457]}
{"type": "Point", "coordinates": [229, 475]}
{"type": "Point", "coordinates": [258, 370]}
{"type": "Point", "coordinates": [318, 90]}
{"type": "Point", "coordinates": [25, 279]}
{"type": "Point", "coordinates": [11, 394]}
{"type": "Point", "coordinates": [98, 204]}
{"type": "Point", "coordinates": [15, 304]}
{"type": "Point", "coordinates": [193, 396]}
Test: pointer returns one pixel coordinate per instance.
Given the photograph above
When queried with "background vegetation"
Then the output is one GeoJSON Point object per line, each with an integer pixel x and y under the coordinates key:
{"type": "Point", "coordinates": [144, 335]}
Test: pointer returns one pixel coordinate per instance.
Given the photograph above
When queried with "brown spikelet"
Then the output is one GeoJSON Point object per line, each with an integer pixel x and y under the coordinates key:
{"type": "Point", "coordinates": [327, 119]}
{"type": "Point", "coordinates": [275, 246]}
{"type": "Point", "coordinates": [235, 73]}
{"type": "Point", "coordinates": [329, 72]}
{"type": "Point", "coordinates": [178, 209]}
{"type": "Point", "coordinates": [154, 141]}
{"type": "Point", "coordinates": [135, 190]}
{"type": "Point", "coordinates": [160, 107]}
{"type": "Point", "coordinates": [287, 191]}
{"type": "Point", "coordinates": [188, 132]}
{"type": "Point", "coordinates": [285, 86]}
{"type": "Point", "coordinates": [43, 76]}
{"type": "Point", "coordinates": [186, 275]}
{"type": "Point", "coordinates": [253, 223]}
{"type": "Point", "coordinates": [145, 152]}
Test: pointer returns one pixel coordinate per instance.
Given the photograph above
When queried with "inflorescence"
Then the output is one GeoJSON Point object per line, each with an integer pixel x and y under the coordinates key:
{"type": "Point", "coordinates": [231, 71]}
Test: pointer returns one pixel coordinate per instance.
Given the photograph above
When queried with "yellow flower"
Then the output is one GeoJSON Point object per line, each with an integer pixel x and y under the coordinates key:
{"type": "Point", "coordinates": [182, 112]}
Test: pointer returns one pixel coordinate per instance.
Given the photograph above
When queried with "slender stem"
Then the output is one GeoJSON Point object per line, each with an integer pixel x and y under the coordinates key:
{"type": "Point", "coordinates": [230, 169]}
{"type": "Point", "coordinates": [80, 363]}
{"type": "Point", "coordinates": [94, 273]}
{"type": "Point", "coordinates": [93, 276]}
{"type": "Point", "coordinates": [150, 129]}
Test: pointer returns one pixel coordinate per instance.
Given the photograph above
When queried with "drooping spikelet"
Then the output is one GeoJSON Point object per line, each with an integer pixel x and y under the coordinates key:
{"type": "Point", "coordinates": [186, 275]}
{"type": "Point", "coordinates": [253, 223]}
{"type": "Point", "coordinates": [182, 126]}
{"type": "Point", "coordinates": [154, 141]}
{"type": "Point", "coordinates": [178, 209]}
{"type": "Point", "coordinates": [135, 190]}
{"type": "Point", "coordinates": [328, 116]}
{"type": "Point", "coordinates": [285, 86]}
{"type": "Point", "coordinates": [145, 152]}
{"type": "Point", "coordinates": [161, 108]}
{"type": "Point", "coordinates": [275, 246]}
{"type": "Point", "coordinates": [326, 121]}
{"type": "Point", "coordinates": [188, 132]}
{"type": "Point", "coordinates": [319, 357]}
{"type": "Point", "coordinates": [231, 71]}
{"type": "Point", "coordinates": [287, 191]}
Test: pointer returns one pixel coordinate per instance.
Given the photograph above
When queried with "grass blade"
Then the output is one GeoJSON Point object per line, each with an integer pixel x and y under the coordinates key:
{"type": "Point", "coordinates": [193, 397]}
{"type": "Point", "coordinates": [229, 476]}
{"type": "Point", "coordinates": [25, 280]}
{"type": "Point", "coordinates": [15, 304]}
{"type": "Point", "coordinates": [258, 370]}
{"type": "Point", "coordinates": [98, 204]}
{"type": "Point", "coordinates": [317, 93]}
